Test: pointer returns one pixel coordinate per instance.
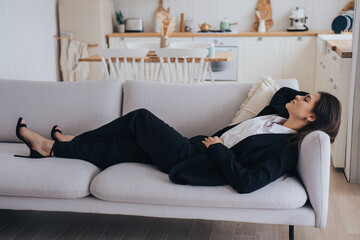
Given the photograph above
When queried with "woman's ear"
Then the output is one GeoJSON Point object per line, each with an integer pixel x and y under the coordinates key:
{"type": "Point", "coordinates": [311, 118]}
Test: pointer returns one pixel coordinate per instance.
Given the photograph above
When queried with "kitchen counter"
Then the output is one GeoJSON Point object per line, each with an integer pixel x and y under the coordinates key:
{"type": "Point", "coordinates": [239, 34]}
{"type": "Point", "coordinates": [219, 57]}
{"type": "Point", "coordinates": [342, 47]}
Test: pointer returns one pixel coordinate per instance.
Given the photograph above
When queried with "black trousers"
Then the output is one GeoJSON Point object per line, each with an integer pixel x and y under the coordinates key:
{"type": "Point", "coordinates": [138, 136]}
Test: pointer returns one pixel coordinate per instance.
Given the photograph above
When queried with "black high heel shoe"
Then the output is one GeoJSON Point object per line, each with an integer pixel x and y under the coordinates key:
{"type": "Point", "coordinates": [53, 131]}
{"type": "Point", "coordinates": [33, 153]}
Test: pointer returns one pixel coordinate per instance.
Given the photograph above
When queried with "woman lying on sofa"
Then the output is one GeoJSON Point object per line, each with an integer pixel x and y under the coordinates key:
{"type": "Point", "coordinates": [248, 155]}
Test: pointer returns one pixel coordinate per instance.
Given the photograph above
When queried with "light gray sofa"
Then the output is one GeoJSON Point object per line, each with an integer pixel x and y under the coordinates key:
{"type": "Point", "coordinates": [55, 184]}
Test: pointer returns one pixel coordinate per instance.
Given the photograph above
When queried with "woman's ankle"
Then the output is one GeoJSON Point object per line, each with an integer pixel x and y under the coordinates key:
{"type": "Point", "coordinates": [64, 138]}
{"type": "Point", "coordinates": [49, 147]}
{"type": "Point", "coordinates": [71, 138]}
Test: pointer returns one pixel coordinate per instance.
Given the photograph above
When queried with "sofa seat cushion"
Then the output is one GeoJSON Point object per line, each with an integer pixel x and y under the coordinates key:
{"type": "Point", "coordinates": [44, 177]}
{"type": "Point", "coordinates": [141, 183]}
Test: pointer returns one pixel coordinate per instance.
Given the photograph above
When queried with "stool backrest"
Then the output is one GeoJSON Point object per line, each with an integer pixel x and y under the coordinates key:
{"type": "Point", "coordinates": [114, 70]}
{"type": "Point", "coordinates": [192, 69]}
{"type": "Point", "coordinates": [151, 69]}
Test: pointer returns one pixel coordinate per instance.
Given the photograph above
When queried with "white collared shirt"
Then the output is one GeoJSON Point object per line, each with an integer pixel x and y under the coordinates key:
{"type": "Point", "coordinates": [254, 126]}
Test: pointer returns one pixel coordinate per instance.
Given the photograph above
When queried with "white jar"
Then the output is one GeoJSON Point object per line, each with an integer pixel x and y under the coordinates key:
{"type": "Point", "coordinates": [262, 27]}
{"type": "Point", "coordinates": [157, 23]}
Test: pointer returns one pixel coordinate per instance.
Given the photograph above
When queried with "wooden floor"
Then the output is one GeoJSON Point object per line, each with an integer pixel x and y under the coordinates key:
{"type": "Point", "coordinates": [343, 223]}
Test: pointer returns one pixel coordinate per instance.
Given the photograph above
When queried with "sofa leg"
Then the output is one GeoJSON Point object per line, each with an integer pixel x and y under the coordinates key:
{"type": "Point", "coordinates": [291, 232]}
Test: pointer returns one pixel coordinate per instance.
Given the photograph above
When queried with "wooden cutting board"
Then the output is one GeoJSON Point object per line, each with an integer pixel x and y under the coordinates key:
{"type": "Point", "coordinates": [158, 11]}
{"type": "Point", "coordinates": [264, 6]}
{"type": "Point", "coordinates": [160, 8]}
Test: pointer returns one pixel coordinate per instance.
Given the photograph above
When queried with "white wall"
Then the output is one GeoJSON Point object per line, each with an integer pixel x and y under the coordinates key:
{"type": "Point", "coordinates": [28, 50]}
{"type": "Point", "coordinates": [320, 12]}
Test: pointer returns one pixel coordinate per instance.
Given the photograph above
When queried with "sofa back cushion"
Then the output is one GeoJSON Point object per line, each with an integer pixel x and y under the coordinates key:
{"type": "Point", "coordinates": [74, 106]}
{"type": "Point", "coordinates": [192, 109]}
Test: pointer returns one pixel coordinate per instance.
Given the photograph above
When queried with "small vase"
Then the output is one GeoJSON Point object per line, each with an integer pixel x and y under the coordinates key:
{"type": "Point", "coordinates": [121, 28]}
{"type": "Point", "coordinates": [164, 42]}
{"type": "Point", "coordinates": [262, 27]}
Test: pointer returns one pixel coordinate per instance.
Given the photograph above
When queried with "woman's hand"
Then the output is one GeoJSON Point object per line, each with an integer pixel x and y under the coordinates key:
{"type": "Point", "coordinates": [212, 140]}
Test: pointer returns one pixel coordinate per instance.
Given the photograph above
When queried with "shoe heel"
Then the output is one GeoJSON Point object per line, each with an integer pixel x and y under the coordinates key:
{"type": "Point", "coordinates": [35, 154]}
{"type": "Point", "coordinates": [21, 156]}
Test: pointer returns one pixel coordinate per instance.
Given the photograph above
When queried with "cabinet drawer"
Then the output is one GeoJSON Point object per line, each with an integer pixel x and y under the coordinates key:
{"type": "Point", "coordinates": [333, 86]}
{"type": "Point", "coordinates": [335, 73]}
{"type": "Point", "coordinates": [118, 42]}
{"type": "Point", "coordinates": [334, 61]}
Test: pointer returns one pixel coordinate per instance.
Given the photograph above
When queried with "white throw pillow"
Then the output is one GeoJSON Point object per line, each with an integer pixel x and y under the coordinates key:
{"type": "Point", "coordinates": [259, 97]}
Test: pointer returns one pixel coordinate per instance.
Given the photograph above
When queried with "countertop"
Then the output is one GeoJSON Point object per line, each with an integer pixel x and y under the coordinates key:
{"type": "Point", "coordinates": [239, 34]}
{"type": "Point", "coordinates": [151, 57]}
{"type": "Point", "coordinates": [342, 47]}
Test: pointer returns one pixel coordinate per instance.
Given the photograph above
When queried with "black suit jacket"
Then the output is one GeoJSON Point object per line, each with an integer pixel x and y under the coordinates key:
{"type": "Point", "coordinates": [249, 165]}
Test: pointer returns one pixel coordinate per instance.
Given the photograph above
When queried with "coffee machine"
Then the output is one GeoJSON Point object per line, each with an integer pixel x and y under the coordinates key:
{"type": "Point", "coordinates": [297, 20]}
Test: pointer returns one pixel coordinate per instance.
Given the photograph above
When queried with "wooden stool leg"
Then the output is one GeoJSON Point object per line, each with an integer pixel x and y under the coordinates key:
{"type": "Point", "coordinates": [106, 68]}
{"type": "Point", "coordinates": [203, 71]}
{"type": "Point", "coordinates": [211, 73]}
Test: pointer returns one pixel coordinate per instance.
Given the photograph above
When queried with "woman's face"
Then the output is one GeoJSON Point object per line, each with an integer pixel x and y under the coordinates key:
{"type": "Point", "coordinates": [302, 106]}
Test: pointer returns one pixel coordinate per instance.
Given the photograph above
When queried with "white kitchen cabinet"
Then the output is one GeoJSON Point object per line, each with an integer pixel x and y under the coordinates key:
{"type": "Point", "coordinates": [152, 69]}
{"type": "Point", "coordinates": [299, 61]}
{"type": "Point", "coordinates": [119, 42]}
{"type": "Point", "coordinates": [279, 57]}
{"type": "Point", "coordinates": [320, 65]}
{"type": "Point", "coordinates": [260, 56]}
{"type": "Point", "coordinates": [333, 76]}
{"type": "Point", "coordinates": [180, 39]}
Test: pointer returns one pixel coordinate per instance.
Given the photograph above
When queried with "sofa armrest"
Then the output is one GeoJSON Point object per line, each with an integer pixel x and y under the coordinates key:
{"type": "Point", "coordinates": [314, 171]}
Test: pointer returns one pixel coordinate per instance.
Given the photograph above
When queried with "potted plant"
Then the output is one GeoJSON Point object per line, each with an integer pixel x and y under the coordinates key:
{"type": "Point", "coordinates": [120, 21]}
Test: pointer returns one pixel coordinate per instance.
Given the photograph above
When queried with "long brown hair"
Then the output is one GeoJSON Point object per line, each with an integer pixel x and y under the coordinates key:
{"type": "Point", "coordinates": [327, 111]}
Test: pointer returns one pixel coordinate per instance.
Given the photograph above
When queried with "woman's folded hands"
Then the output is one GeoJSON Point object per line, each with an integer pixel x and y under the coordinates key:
{"type": "Point", "coordinates": [212, 140]}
